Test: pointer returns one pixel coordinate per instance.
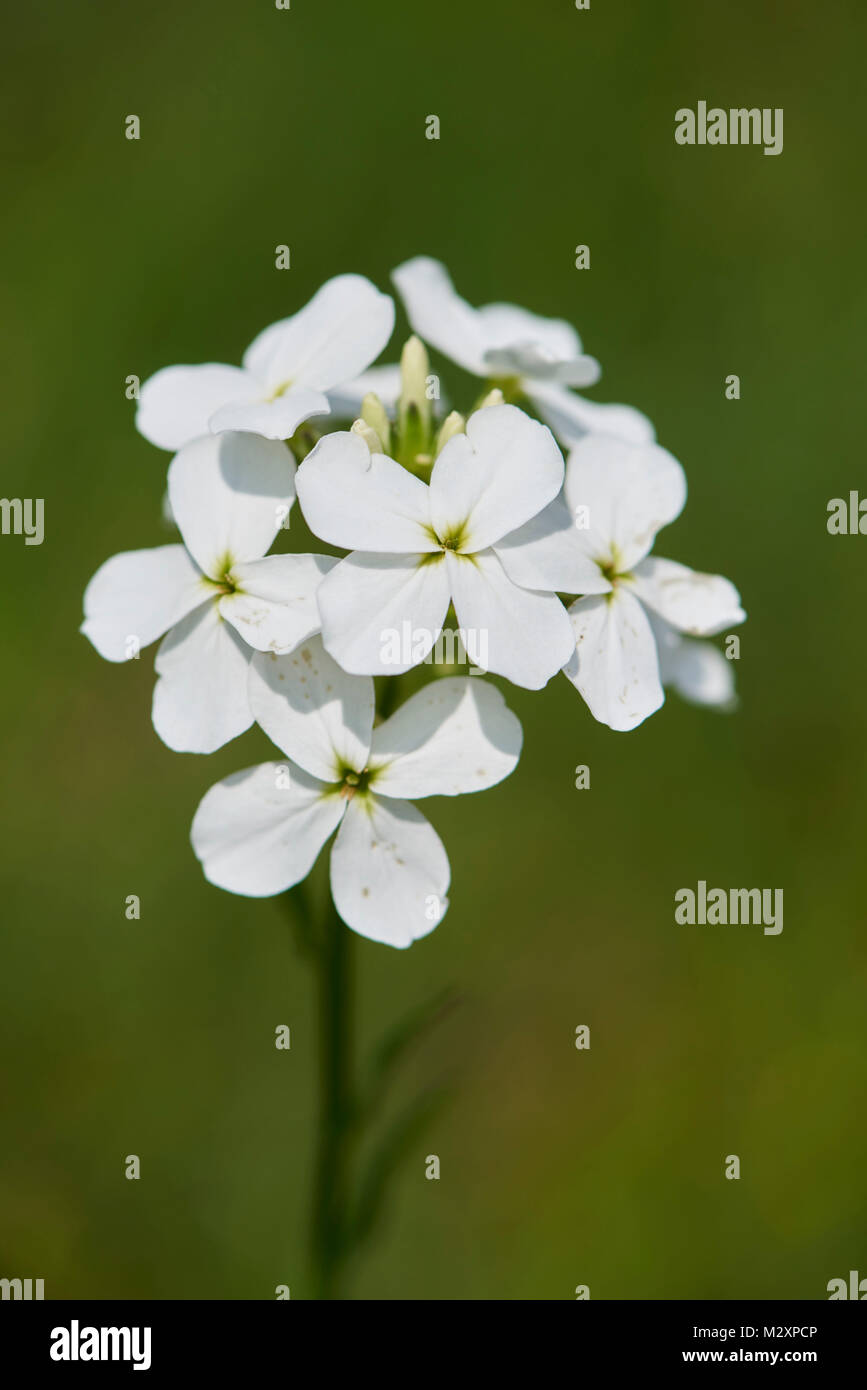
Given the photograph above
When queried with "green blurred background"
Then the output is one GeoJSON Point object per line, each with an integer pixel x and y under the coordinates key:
{"type": "Point", "coordinates": [155, 1037]}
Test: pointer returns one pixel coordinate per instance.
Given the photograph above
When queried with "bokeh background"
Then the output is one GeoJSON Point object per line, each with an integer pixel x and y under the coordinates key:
{"type": "Point", "coordinates": [155, 1037]}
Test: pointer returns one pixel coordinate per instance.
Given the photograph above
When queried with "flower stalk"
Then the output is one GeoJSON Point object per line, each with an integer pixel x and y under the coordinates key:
{"type": "Point", "coordinates": [330, 1233]}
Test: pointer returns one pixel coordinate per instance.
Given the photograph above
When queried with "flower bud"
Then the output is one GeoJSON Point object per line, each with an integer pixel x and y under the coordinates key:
{"type": "Point", "coordinates": [369, 435]}
{"type": "Point", "coordinates": [453, 424]}
{"type": "Point", "coordinates": [414, 409]}
{"type": "Point", "coordinates": [373, 414]}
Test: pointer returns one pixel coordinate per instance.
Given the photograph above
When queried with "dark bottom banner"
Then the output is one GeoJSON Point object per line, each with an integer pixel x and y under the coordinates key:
{"type": "Point", "coordinates": [160, 1338]}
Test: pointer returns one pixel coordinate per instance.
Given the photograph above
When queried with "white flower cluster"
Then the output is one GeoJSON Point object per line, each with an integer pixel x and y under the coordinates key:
{"type": "Point", "coordinates": [438, 513]}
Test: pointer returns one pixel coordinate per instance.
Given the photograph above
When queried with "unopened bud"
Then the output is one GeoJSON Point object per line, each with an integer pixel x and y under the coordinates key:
{"type": "Point", "coordinates": [453, 424]}
{"type": "Point", "coordinates": [373, 413]}
{"type": "Point", "coordinates": [369, 435]}
{"type": "Point", "coordinates": [414, 368]}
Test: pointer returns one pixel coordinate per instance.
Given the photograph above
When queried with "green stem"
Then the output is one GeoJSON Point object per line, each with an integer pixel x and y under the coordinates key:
{"type": "Point", "coordinates": [336, 1106]}
{"type": "Point", "coordinates": [328, 944]}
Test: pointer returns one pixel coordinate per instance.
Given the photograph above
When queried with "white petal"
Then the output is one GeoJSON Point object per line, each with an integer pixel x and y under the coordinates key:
{"type": "Point", "coordinates": [274, 607]}
{"type": "Point", "coordinates": [546, 553]}
{"type": "Point", "coordinates": [493, 478]}
{"type": "Point", "coordinates": [615, 665]}
{"type": "Point", "coordinates": [571, 417]}
{"type": "Point", "coordinates": [494, 340]}
{"type": "Point", "coordinates": [332, 339]}
{"type": "Point", "coordinates": [532, 363]}
{"type": "Point", "coordinates": [277, 419]}
{"type": "Point", "coordinates": [507, 325]}
{"type": "Point", "coordinates": [527, 635]}
{"type": "Point", "coordinates": [320, 716]}
{"type": "Point", "coordinates": [523, 344]}
{"type": "Point", "coordinates": [200, 699]}
{"type": "Point", "coordinates": [381, 614]}
{"type": "Point", "coordinates": [389, 871]}
{"type": "Point", "coordinates": [259, 831]}
{"type": "Point", "coordinates": [385, 382]}
{"type": "Point", "coordinates": [627, 493]}
{"type": "Point", "coordinates": [456, 735]}
{"type": "Point", "coordinates": [696, 670]}
{"type": "Point", "coordinates": [175, 404]}
{"type": "Point", "coordinates": [230, 494]}
{"type": "Point", "coordinates": [137, 596]}
{"type": "Point", "coordinates": [700, 604]}
{"type": "Point", "coordinates": [363, 501]}
{"type": "Point", "coordinates": [701, 674]}
{"type": "Point", "coordinates": [437, 313]}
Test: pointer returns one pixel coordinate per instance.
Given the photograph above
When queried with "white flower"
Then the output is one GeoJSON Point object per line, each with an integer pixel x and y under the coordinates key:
{"type": "Point", "coordinates": [215, 596]}
{"type": "Point", "coordinates": [418, 546]}
{"type": "Point", "coordinates": [630, 493]}
{"type": "Point", "coordinates": [596, 541]}
{"type": "Point", "coordinates": [502, 341]}
{"type": "Point", "coordinates": [697, 670]}
{"type": "Point", "coordinates": [260, 831]}
{"type": "Point", "coordinates": [285, 374]}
